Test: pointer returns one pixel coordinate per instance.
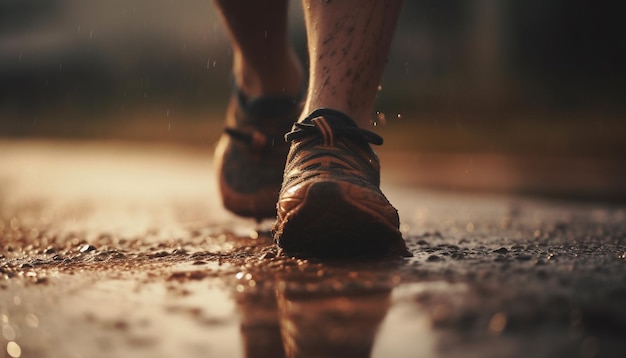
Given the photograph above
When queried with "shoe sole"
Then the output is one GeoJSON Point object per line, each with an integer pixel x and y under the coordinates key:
{"type": "Point", "coordinates": [333, 222]}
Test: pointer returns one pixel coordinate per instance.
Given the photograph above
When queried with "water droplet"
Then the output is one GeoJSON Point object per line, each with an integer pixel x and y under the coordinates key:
{"type": "Point", "coordinates": [381, 117]}
{"type": "Point", "coordinates": [239, 275]}
{"type": "Point", "coordinates": [497, 323]}
{"type": "Point", "coordinates": [14, 349]}
{"type": "Point", "coordinates": [240, 288]}
{"type": "Point", "coordinates": [399, 116]}
{"type": "Point", "coordinates": [15, 224]}
{"type": "Point", "coordinates": [8, 332]}
{"type": "Point", "coordinates": [32, 320]}
{"type": "Point", "coordinates": [380, 88]}
{"type": "Point", "coordinates": [469, 227]}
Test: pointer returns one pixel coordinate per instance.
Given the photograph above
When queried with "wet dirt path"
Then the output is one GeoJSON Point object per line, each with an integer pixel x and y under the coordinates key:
{"type": "Point", "coordinates": [117, 250]}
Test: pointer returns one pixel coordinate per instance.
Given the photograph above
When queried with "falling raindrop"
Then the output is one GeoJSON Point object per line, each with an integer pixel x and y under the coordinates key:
{"type": "Point", "coordinates": [78, 29]}
{"type": "Point", "coordinates": [91, 34]}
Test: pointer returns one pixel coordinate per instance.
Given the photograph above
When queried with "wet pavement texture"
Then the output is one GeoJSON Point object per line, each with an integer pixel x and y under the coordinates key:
{"type": "Point", "coordinates": [120, 250]}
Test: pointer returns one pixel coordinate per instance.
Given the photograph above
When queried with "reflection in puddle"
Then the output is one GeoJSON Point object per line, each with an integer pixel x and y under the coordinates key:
{"type": "Point", "coordinates": [331, 325]}
{"type": "Point", "coordinates": [376, 322]}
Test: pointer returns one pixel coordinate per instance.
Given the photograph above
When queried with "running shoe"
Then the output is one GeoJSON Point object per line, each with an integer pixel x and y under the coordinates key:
{"type": "Point", "coordinates": [250, 155]}
{"type": "Point", "coordinates": [330, 203]}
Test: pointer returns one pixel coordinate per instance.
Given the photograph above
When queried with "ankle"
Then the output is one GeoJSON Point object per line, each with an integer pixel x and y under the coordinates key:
{"type": "Point", "coordinates": [363, 118]}
{"type": "Point", "coordinates": [278, 78]}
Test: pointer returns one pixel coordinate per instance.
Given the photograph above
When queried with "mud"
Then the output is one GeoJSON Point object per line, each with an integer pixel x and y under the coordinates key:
{"type": "Point", "coordinates": [118, 250]}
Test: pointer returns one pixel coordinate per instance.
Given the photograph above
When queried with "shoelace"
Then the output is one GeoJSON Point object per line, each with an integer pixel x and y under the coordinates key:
{"type": "Point", "coordinates": [339, 126]}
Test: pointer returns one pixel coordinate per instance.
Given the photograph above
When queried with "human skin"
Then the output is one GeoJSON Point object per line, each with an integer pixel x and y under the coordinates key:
{"type": "Point", "coordinates": [348, 44]}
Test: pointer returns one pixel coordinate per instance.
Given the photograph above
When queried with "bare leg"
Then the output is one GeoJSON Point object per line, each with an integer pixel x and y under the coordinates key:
{"type": "Point", "coordinates": [264, 63]}
{"type": "Point", "coordinates": [348, 47]}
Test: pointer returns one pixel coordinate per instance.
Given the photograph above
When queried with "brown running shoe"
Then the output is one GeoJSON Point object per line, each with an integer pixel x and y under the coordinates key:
{"type": "Point", "coordinates": [250, 155]}
{"type": "Point", "coordinates": [330, 203]}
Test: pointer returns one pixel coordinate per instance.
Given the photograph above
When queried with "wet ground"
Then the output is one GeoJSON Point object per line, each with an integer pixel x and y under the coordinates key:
{"type": "Point", "coordinates": [117, 250]}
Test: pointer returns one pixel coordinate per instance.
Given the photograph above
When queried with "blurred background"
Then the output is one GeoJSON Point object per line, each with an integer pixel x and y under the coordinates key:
{"type": "Point", "coordinates": [528, 94]}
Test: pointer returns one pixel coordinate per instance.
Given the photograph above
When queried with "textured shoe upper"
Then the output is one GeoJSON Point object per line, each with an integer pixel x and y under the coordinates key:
{"type": "Point", "coordinates": [330, 202]}
{"type": "Point", "coordinates": [329, 144]}
{"type": "Point", "coordinates": [250, 155]}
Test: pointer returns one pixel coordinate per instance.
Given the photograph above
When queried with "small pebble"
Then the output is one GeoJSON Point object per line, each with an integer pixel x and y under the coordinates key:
{"type": "Point", "coordinates": [501, 250]}
{"type": "Point", "coordinates": [87, 248]}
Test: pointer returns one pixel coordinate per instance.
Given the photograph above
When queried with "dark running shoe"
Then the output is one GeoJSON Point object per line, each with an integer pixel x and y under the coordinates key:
{"type": "Point", "coordinates": [250, 155]}
{"type": "Point", "coordinates": [330, 203]}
